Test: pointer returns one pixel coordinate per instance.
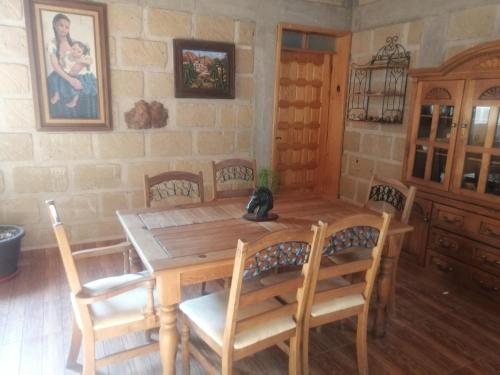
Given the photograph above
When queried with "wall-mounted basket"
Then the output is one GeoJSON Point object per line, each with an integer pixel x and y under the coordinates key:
{"type": "Point", "coordinates": [377, 90]}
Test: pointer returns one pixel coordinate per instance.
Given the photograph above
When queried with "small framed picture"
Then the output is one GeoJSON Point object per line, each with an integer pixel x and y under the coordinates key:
{"type": "Point", "coordinates": [69, 63]}
{"type": "Point", "coordinates": [203, 69]}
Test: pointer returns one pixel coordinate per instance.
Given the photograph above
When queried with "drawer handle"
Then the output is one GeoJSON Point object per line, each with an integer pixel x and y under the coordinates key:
{"type": "Point", "coordinates": [444, 267]}
{"type": "Point", "coordinates": [490, 232]}
{"type": "Point", "coordinates": [451, 220]}
{"type": "Point", "coordinates": [488, 288]}
{"type": "Point", "coordinates": [489, 262]}
{"type": "Point", "coordinates": [446, 244]}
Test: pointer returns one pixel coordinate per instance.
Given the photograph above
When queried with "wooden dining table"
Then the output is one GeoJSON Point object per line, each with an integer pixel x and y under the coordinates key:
{"type": "Point", "coordinates": [191, 244]}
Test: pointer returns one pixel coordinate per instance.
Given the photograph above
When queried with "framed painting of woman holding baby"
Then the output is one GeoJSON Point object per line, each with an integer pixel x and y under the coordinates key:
{"type": "Point", "coordinates": [69, 64]}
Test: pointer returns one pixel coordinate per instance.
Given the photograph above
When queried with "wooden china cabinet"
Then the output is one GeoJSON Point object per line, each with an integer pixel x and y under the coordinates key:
{"type": "Point", "coordinates": [453, 157]}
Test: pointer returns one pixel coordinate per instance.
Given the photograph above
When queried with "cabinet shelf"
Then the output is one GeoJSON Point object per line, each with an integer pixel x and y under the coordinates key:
{"type": "Point", "coordinates": [377, 94]}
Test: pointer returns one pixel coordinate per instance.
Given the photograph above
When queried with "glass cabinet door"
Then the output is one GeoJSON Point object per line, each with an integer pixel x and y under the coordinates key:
{"type": "Point", "coordinates": [434, 129]}
{"type": "Point", "coordinates": [478, 152]}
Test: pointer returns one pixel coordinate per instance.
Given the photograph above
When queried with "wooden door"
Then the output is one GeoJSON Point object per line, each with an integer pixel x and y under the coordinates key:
{"type": "Point", "coordinates": [300, 129]}
{"type": "Point", "coordinates": [433, 133]}
{"type": "Point", "coordinates": [415, 242]}
{"type": "Point", "coordinates": [477, 171]}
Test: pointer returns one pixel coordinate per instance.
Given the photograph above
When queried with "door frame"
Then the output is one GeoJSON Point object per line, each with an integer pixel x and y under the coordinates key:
{"type": "Point", "coordinates": [331, 161]}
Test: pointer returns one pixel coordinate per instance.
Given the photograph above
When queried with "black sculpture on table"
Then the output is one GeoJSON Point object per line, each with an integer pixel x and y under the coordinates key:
{"type": "Point", "coordinates": [263, 199]}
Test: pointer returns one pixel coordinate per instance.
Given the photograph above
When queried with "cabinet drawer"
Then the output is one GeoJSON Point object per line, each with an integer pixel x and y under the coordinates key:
{"type": "Point", "coordinates": [486, 284]}
{"type": "Point", "coordinates": [448, 217]}
{"type": "Point", "coordinates": [446, 266]}
{"type": "Point", "coordinates": [487, 259]}
{"type": "Point", "coordinates": [489, 230]}
{"type": "Point", "coordinates": [449, 244]}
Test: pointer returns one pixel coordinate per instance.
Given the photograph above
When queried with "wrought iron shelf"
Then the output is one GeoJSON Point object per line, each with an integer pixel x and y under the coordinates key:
{"type": "Point", "coordinates": [384, 78]}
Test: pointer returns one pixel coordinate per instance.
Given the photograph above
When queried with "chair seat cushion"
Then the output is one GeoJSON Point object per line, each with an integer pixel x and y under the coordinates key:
{"type": "Point", "coordinates": [337, 304]}
{"type": "Point", "coordinates": [121, 309]}
{"type": "Point", "coordinates": [209, 314]}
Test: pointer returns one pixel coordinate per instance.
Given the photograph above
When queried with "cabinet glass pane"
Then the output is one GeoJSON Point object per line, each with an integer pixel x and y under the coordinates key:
{"type": "Point", "coordinates": [479, 126]}
{"type": "Point", "coordinates": [496, 140]}
{"type": "Point", "coordinates": [444, 123]}
{"type": "Point", "coordinates": [439, 164]}
{"type": "Point", "coordinates": [493, 183]}
{"type": "Point", "coordinates": [472, 167]}
{"type": "Point", "coordinates": [420, 160]}
{"type": "Point", "coordinates": [424, 126]}
{"type": "Point", "coordinates": [292, 39]}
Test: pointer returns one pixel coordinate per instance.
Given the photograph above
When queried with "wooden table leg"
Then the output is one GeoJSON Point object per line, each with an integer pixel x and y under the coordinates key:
{"type": "Point", "coordinates": [168, 287]}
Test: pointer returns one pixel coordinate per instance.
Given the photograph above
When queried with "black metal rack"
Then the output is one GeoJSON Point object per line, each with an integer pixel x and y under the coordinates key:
{"type": "Point", "coordinates": [377, 90]}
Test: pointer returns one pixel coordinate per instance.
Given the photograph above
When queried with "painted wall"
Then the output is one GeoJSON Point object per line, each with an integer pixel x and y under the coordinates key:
{"type": "Point", "coordinates": [90, 175]}
{"type": "Point", "coordinates": [433, 31]}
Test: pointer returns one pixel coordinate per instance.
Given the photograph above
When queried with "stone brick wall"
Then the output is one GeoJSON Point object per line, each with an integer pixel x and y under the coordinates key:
{"type": "Point", "coordinates": [90, 175]}
{"type": "Point", "coordinates": [432, 31]}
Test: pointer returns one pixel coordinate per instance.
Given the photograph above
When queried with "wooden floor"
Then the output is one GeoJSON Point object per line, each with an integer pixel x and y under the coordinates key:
{"type": "Point", "coordinates": [438, 329]}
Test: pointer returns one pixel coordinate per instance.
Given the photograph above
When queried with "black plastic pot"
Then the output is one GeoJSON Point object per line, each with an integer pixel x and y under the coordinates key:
{"type": "Point", "coordinates": [10, 247]}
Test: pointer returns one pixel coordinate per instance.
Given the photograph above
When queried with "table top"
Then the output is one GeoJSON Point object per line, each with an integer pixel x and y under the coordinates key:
{"type": "Point", "coordinates": [174, 237]}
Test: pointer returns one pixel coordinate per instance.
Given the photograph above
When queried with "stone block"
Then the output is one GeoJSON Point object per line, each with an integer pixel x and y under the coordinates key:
{"type": "Point", "coordinates": [351, 141]}
{"type": "Point", "coordinates": [415, 32]}
{"type": "Point", "coordinates": [381, 34]}
{"type": "Point", "coordinates": [11, 10]}
{"type": "Point", "coordinates": [58, 146]}
{"type": "Point", "coordinates": [127, 83]}
{"type": "Point", "coordinates": [361, 43]}
{"type": "Point", "coordinates": [170, 24]}
{"type": "Point", "coordinates": [243, 141]}
{"type": "Point", "coordinates": [455, 50]}
{"type": "Point", "coordinates": [389, 170]}
{"type": "Point", "coordinates": [365, 2]}
{"type": "Point", "coordinates": [19, 211]}
{"type": "Point", "coordinates": [112, 201]}
{"type": "Point", "coordinates": [376, 145]}
{"type": "Point", "coordinates": [361, 191]}
{"type": "Point", "coordinates": [245, 116]}
{"type": "Point", "coordinates": [15, 146]}
{"type": "Point", "coordinates": [125, 19]}
{"type": "Point", "coordinates": [472, 23]}
{"type": "Point", "coordinates": [171, 143]}
{"type": "Point", "coordinates": [13, 42]}
{"type": "Point", "coordinates": [343, 168]}
{"type": "Point", "coordinates": [137, 199]}
{"type": "Point", "coordinates": [37, 237]}
{"type": "Point", "coordinates": [244, 61]}
{"type": "Point", "coordinates": [214, 28]}
{"type": "Point", "coordinates": [361, 167]}
{"type": "Point", "coordinates": [227, 116]}
{"type": "Point", "coordinates": [398, 149]}
{"type": "Point", "coordinates": [119, 145]}
{"type": "Point", "coordinates": [215, 142]}
{"type": "Point", "coordinates": [19, 114]}
{"type": "Point", "coordinates": [195, 166]}
{"type": "Point", "coordinates": [15, 80]}
{"type": "Point", "coordinates": [40, 179]}
{"type": "Point", "coordinates": [245, 33]}
{"type": "Point", "coordinates": [96, 176]}
{"type": "Point", "coordinates": [200, 115]}
{"type": "Point", "coordinates": [112, 50]}
{"type": "Point", "coordinates": [77, 207]}
{"type": "Point", "coordinates": [136, 171]}
{"type": "Point", "coordinates": [159, 85]}
{"type": "Point", "coordinates": [2, 183]}
{"type": "Point", "coordinates": [244, 88]}
{"type": "Point", "coordinates": [103, 229]}
{"type": "Point", "coordinates": [347, 187]}
{"type": "Point", "coordinates": [141, 53]}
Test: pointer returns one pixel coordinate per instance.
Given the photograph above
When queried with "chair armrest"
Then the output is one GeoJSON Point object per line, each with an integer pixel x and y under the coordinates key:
{"type": "Point", "coordinates": [105, 250]}
{"type": "Point", "coordinates": [87, 296]}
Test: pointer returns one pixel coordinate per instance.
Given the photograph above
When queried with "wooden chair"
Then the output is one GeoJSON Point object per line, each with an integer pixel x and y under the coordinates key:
{"type": "Point", "coordinates": [107, 307]}
{"type": "Point", "coordinates": [173, 183]}
{"type": "Point", "coordinates": [390, 195]}
{"type": "Point", "coordinates": [234, 170]}
{"type": "Point", "coordinates": [243, 320]}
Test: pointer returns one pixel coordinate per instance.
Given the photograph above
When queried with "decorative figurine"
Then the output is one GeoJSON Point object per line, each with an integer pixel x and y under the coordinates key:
{"type": "Point", "coordinates": [262, 198]}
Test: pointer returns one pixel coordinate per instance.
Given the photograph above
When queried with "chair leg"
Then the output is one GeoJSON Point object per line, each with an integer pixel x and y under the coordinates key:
{"type": "Point", "coordinates": [391, 308]}
{"type": "Point", "coordinates": [88, 355]}
{"type": "Point", "coordinates": [74, 348]}
{"type": "Point", "coordinates": [361, 344]}
{"type": "Point", "coordinates": [294, 356]}
{"type": "Point", "coordinates": [185, 346]}
{"type": "Point", "coordinates": [304, 358]}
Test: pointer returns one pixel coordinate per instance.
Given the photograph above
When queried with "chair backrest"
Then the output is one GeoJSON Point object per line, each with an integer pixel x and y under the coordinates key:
{"type": "Point", "coordinates": [366, 231]}
{"type": "Point", "coordinates": [239, 172]}
{"type": "Point", "coordinates": [387, 194]}
{"type": "Point", "coordinates": [171, 184]}
{"type": "Point", "coordinates": [64, 249]}
{"type": "Point", "coordinates": [287, 247]}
